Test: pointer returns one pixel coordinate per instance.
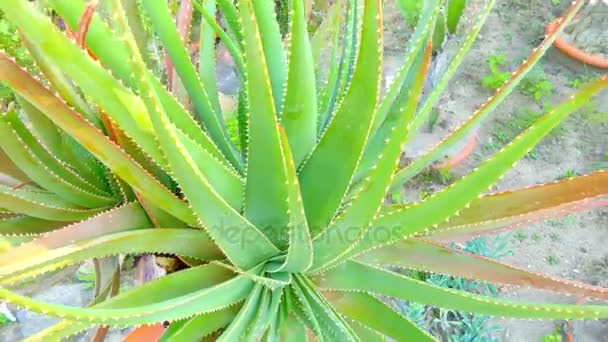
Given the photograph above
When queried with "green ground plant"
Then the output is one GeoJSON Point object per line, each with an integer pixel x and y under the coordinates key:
{"type": "Point", "coordinates": [497, 77]}
{"type": "Point", "coordinates": [286, 237]}
{"type": "Point", "coordinates": [536, 85]}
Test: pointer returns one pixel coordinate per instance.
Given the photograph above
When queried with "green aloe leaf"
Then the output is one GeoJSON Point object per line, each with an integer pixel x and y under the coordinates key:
{"type": "Point", "coordinates": [240, 241]}
{"type": "Point", "coordinates": [94, 140]}
{"type": "Point", "coordinates": [347, 277]}
{"type": "Point", "coordinates": [42, 204]}
{"type": "Point", "coordinates": [507, 210]}
{"type": "Point", "coordinates": [455, 10]}
{"type": "Point", "coordinates": [299, 252]}
{"type": "Point", "coordinates": [357, 215]}
{"type": "Point", "coordinates": [341, 146]}
{"type": "Point", "coordinates": [265, 190]}
{"type": "Point", "coordinates": [199, 326]}
{"type": "Point", "coordinates": [26, 225]}
{"type": "Point", "coordinates": [423, 255]}
{"type": "Point", "coordinates": [160, 16]}
{"type": "Point", "coordinates": [190, 243]}
{"type": "Point", "coordinates": [371, 312]}
{"type": "Point", "coordinates": [113, 54]}
{"type": "Point", "coordinates": [299, 115]}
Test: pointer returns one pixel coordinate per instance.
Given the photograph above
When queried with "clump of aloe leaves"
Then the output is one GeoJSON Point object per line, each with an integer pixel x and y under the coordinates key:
{"type": "Point", "coordinates": [286, 237]}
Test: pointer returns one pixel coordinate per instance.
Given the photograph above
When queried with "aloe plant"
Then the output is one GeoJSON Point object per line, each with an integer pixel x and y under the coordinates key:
{"type": "Point", "coordinates": [287, 237]}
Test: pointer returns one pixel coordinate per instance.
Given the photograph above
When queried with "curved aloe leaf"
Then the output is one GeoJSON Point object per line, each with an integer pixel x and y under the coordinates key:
{"type": "Point", "coordinates": [42, 204]}
{"type": "Point", "coordinates": [199, 326]}
{"type": "Point", "coordinates": [368, 198]}
{"type": "Point", "coordinates": [423, 255]}
{"type": "Point", "coordinates": [93, 140]}
{"type": "Point", "coordinates": [160, 16]}
{"type": "Point", "coordinates": [347, 277]}
{"type": "Point", "coordinates": [376, 315]}
{"type": "Point", "coordinates": [340, 148]}
{"type": "Point", "coordinates": [26, 225]}
{"type": "Point", "coordinates": [511, 209]}
{"type": "Point", "coordinates": [181, 242]}
{"type": "Point", "coordinates": [242, 242]}
{"type": "Point", "coordinates": [299, 115]}
{"type": "Point", "coordinates": [265, 189]}
{"type": "Point", "coordinates": [113, 54]}
{"type": "Point", "coordinates": [299, 252]}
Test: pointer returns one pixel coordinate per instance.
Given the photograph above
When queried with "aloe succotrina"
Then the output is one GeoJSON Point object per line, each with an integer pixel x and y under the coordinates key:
{"type": "Point", "coordinates": [287, 236]}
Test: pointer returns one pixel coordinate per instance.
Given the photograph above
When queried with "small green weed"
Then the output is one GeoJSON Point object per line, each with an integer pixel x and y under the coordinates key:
{"type": "Point", "coordinates": [552, 260]}
{"type": "Point", "coordinates": [537, 237]}
{"type": "Point", "coordinates": [556, 2]}
{"type": "Point", "coordinates": [433, 119]}
{"type": "Point", "coordinates": [496, 78]}
{"type": "Point", "coordinates": [520, 236]}
{"type": "Point", "coordinates": [555, 336]}
{"type": "Point", "coordinates": [554, 236]}
{"type": "Point", "coordinates": [86, 276]}
{"type": "Point", "coordinates": [568, 174]}
{"type": "Point", "coordinates": [536, 85]}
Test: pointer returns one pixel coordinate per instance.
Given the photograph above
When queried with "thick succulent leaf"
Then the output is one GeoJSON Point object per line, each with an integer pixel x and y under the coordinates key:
{"type": "Point", "coordinates": [329, 27]}
{"type": "Point", "coordinates": [26, 225]}
{"type": "Point", "coordinates": [130, 216]}
{"type": "Point", "coordinates": [107, 278]}
{"type": "Point", "coordinates": [424, 255]}
{"type": "Point", "coordinates": [206, 55]}
{"type": "Point", "coordinates": [182, 284]}
{"type": "Point", "coordinates": [299, 253]}
{"type": "Point", "coordinates": [8, 168]}
{"type": "Point", "coordinates": [506, 210]}
{"type": "Point", "coordinates": [190, 243]}
{"type": "Point", "coordinates": [94, 140]}
{"type": "Point", "coordinates": [297, 303]}
{"type": "Point", "coordinates": [267, 311]}
{"type": "Point", "coordinates": [394, 98]}
{"type": "Point", "coordinates": [238, 327]}
{"type": "Point", "coordinates": [410, 9]}
{"type": "Point", "coordinates": [347, 278]}
{"type": "Point", "coordinates": [244, 245]}
{"type": "Point", "coordinates": [455, 10]}
{"type": "Point", "coordinates": [63, 147]}
{"type": "Point", "coordinates": [45, 168]}
{"type": "Point", "coordinates": [232, 47]}
{"type": "Point", "coordinates": [341, 146]}
{"type": "Point", "coordinates": [114, 98]}
{"type": "Point", "coordinates": [371, 312]}
{"type": "Point", "coordinates": [354, 219]}
{"type": "Point", "coordinates": [265, 190]}
{"type": "Point", "coordinates": [426, 215]}
{"type": "Point", "coordinates": [341, 73]}
{"type": "Point", "coordinates": [176, 307]}
{"type": "Point", "coordinates": [197, 327]}
{"type": "Point", "coordinates": [160, 16]}
{"type": "Point", "coordinates": [330, 321]}
{"type": "Point", "coordinates": [62, 85]}
{"type": "Point", "coordinates": [112, 53]}
{"type": "Point", "coordinates": [231, 16]}
{"type": "Point", "coordinates": [299, 115]}
{"type": "Point", "coordinates": [272, 44]}
{"type": "Point", "coordinates": [476, 118]}
{"type": "Point", "coordinates": [328, 90]}
{"type": "Point", "coordinates": [42, 204]}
